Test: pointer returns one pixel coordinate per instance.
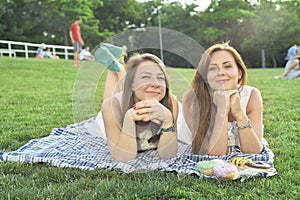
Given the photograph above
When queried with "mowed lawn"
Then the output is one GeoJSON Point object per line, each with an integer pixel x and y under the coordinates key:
{"type": "Point", "coordinates": [37, 95]}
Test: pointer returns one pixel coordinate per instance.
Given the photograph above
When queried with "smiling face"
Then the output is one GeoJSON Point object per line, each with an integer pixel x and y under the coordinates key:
{"type": "Point", "coordinates": [149, 82]}
{"type": "Point", "coordinates": [223, 72]}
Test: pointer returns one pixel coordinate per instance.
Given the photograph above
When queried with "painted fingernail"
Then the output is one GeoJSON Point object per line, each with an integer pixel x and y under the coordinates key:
{"type": "Point", "coordinates": [134, 106]}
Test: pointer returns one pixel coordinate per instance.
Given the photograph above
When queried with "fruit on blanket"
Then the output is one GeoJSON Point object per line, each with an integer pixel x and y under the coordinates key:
{"type": "Point", "coordinates": [245, 163]}
{"type": "Point", "coordinates": [218, 168]}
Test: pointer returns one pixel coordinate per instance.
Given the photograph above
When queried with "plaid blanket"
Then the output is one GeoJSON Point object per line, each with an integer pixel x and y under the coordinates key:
{"type": "Point", "coordinates": [75, 146]}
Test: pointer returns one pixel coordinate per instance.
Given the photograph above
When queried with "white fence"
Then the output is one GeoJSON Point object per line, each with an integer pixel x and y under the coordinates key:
{"type": "Point", "coordinates": [25, 49]}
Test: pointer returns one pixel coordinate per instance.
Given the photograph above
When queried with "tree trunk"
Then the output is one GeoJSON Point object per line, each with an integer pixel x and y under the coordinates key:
{"type": "Point", "coordinates": [274, 61]}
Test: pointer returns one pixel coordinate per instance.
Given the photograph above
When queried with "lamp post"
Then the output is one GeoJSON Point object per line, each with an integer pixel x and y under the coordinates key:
{"type": "Point", "coordinates": [160, 35]}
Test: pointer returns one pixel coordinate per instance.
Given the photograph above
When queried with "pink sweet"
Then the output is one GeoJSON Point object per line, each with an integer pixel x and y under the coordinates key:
{"type": "Point", "coordinates": [224, 170]}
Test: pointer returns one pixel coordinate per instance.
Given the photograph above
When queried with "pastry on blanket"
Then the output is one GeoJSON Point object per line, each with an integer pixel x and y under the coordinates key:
{"type": "Point", "coordinates": [226, 170]}
{"type": "Point", "coordinates": [218, 168]}
{"type": "Point", "coordinates": [245, 163]}
{"type": "Point", "coordinates": [206, 166]}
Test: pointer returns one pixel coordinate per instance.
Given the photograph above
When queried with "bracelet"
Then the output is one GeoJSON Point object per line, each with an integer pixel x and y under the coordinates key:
{"type": "Point", "coordinates": [248, 125]}
{"type": "Point", "coordinates": [162, 130]}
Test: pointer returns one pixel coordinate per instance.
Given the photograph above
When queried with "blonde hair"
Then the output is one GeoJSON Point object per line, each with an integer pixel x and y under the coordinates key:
{"type": "Point", "coordinates": [200, 93]}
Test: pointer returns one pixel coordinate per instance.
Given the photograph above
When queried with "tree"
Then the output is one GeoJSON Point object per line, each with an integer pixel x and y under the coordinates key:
{"type": "Point", "coordinates": [11, 20]}
{"type": "Point", "coordinates": [57, 20]}
{"type": "Point", "coordinates": [116, 16]}
{"type": "Point", "coordinates": [275, 28]}
{"type": "Point", "coordinates": [271, 25]}
{"type": "Point", "coordinates": [45, 21]}
{"type": "Point", "coordinates": [224, 21]}
{"type": "Point", "coordinates": [175, 17]}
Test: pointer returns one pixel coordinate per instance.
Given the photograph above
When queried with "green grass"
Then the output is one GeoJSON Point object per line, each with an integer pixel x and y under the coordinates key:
{"type": "Point", "coordinates": [37, 95]}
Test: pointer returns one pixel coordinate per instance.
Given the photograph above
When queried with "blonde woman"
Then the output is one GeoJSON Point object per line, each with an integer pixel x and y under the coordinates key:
{"type": "Point", "coordinates": [141, 117]}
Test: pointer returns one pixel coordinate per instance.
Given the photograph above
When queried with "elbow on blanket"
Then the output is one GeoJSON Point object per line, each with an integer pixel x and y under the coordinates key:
{"type": "Point", "coordinates": [124, 157]}
{"type": "Point", "coordinates": [163, 154]}
{"type": "Point", "coordinates": [252, 151]}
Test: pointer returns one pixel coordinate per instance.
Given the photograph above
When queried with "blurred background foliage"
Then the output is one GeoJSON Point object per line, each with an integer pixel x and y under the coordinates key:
{"type": "Point", "coordinates": [251, 27]}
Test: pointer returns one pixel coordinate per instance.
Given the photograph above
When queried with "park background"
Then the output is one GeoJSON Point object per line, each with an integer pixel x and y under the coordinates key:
{"type": "Point", "coordinates": [252, 26]}
{"type": "Point", "coordinates": [36, 95]}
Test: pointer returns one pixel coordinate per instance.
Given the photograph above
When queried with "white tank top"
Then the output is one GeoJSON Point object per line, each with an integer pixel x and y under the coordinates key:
{"type": "Point", "coordinates": [185, 135]}
{"type": "Point", "coordinates": [142, 138]}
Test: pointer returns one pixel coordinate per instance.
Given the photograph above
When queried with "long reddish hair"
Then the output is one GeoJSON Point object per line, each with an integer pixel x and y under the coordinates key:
{"type": "Point", "coordinates": [204, 109]}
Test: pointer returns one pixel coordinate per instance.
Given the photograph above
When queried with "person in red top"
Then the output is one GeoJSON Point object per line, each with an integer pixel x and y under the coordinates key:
{"type": "Point", "coordinates": [76, 40]}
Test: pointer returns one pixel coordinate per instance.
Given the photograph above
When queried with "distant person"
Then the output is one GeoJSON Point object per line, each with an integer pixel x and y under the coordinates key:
{"type": "Point", "coordinates": [292, 69]}
{"type": "Point", "coordinates": [48, 54]}
{"type": "Point", "coordinates": [40, 51]}
{"type": "Point", "coordinates": [76, 39]}
{"type": "Point", "coordinates": [85, 54]}
{"type": "Point", "coordinates": [292, 51]}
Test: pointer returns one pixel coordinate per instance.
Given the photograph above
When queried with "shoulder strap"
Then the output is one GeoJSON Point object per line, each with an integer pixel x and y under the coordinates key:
{"type": "Point", "coordinates": [245, 96]}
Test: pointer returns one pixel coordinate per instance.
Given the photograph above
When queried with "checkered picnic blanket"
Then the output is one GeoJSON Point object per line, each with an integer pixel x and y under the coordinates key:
{"type": "Point", "coordinates": [74, 146]}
